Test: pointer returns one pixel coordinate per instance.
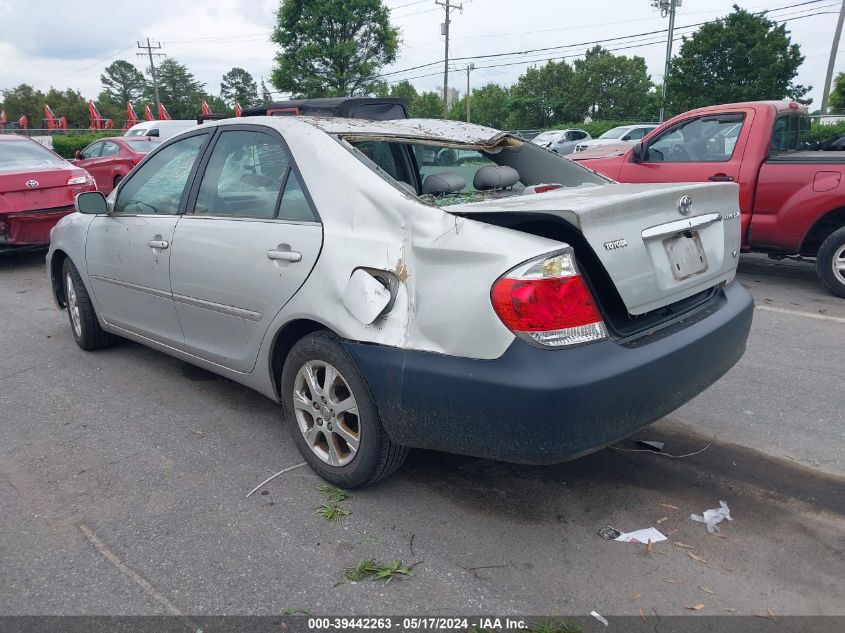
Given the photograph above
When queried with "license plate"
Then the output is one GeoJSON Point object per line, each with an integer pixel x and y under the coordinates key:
{"type": "Point", "coordinates": [686, 255]}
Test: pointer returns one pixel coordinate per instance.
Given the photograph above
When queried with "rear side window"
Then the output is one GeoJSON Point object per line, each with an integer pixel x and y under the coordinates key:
{"type": "Point", "coordinates": [110, 149]}
{"type": "Point", "coordinates": [789, 133]}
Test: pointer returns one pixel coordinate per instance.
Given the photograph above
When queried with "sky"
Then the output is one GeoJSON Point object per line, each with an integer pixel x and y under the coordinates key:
{"type": "Point", "coordinates": [212, 36]}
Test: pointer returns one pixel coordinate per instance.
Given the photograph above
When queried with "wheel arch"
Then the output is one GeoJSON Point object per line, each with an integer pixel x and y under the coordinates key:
{"type": "Point", "coordinates": [57, 261]}
{"type": "Point", "coordinates": [823, 227]}
{"type": "Point", "coordinates": [283, 342]}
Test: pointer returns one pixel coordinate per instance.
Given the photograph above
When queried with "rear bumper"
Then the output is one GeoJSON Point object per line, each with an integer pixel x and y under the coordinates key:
{"type": "Point", "coordinates": [546, 406]}
{"type": "Point", "coordinates": [29, 228]}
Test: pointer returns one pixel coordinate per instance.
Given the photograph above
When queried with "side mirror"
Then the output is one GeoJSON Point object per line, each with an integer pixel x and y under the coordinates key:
{"type": "Point", "coordinates": [637, 152]}
{"type": "Point", "coordinates": [91, 203]}
{"type": "Point", "coordinates": [77, 154]}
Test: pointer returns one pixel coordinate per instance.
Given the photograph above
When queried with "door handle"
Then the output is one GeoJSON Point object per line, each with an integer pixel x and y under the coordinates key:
{"type": "Point", "coordinates": [721, 178]}
{"type": "Point", "coordinates": [284, 256]}
{"type": "Point", "coordinates": [162, 244]}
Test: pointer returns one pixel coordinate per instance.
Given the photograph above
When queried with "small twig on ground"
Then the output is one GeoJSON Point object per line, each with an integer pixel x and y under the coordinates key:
{"type": "Point", "coordinates": [272, 477]}
{"type": "Point", "coordinates": [646, 450]}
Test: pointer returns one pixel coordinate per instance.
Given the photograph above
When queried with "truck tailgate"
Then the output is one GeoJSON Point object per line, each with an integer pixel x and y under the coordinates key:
{"type": "Point", "coordinates": [654, 253]}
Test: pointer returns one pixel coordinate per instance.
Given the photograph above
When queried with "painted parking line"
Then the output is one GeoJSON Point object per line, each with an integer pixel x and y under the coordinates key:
{"type": "Point", "coordinates": [809, 315]}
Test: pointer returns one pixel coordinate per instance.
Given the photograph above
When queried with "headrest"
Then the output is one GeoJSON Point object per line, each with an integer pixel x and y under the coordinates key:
{"type": "Point", "coordinates": [495, 177]}
{"type": "Point", "coordinates": [443, 183]}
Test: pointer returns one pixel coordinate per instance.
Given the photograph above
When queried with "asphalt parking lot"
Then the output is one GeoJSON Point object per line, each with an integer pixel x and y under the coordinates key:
{"type": "Point", "coordinates": [123, 476]}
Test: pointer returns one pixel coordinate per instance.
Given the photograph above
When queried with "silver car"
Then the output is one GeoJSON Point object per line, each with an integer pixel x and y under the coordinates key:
{"type": "Point", "coordinates": [513, 306]}
{"type": "Point", "coordinates": [561, 141]}
{"type": "Point", "coordinates": [620, 134]}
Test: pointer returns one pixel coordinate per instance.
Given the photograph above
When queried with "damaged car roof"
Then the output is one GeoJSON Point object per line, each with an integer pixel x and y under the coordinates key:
{"type": "Point", "coordinates": [429, 129]}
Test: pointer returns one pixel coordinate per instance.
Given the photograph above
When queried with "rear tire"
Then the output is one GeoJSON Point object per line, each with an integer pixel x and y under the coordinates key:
{"type": "Point", "coordinates": [830, 262]}
{"type": "Point", "coordinates": [348, 448]}
{"type": "Point", "coordinates": [83, 319]}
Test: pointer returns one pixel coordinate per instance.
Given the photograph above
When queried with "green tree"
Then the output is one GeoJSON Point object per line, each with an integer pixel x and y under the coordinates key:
{"type": "Point", "coordinates": [428, 105]}
{"type": "Point", "coordinates": [742, 57]}
{"type": "Point", "coordinates": [71, 104]}
{"type": "Point", "coordinates": [332, 47]}
{"type": "Point", "coordinates": [405, 90]}
{"type": "Point", "coordinates": [608, 86]}
{"type": "Point", "coordinates": [542, 97]}
{"type": "Point", "coordinates": [24, 100]}
{"type": "Point", "coordinates": [178, 90]}
{"type": "Point", "coordinates": [836, 104]}
{"type": "Point", "coordinates": [489, 105]}
{"type": "Point", "coordinates": [239, 86]}
{"type": "Point", "coordinates": [122, 82]}
{"type": "Point", "coordinates": [266, 97]}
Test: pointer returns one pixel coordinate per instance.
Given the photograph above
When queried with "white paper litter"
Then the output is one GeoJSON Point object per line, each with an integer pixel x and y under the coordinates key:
{"type": "Point", "coordinates": [599, 617]}
{"type": "Point", "coordinates": [712, 517]}
{"type": "Point", "coordinates": [641, 536]}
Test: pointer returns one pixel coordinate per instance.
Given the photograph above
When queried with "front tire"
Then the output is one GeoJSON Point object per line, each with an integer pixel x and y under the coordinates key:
{"type": "Point", "coordinates": [83, 319]}
{"type": "Point", "coordinates": [332, 415]}
{"type": "Point", "coordinates": [830, 262]}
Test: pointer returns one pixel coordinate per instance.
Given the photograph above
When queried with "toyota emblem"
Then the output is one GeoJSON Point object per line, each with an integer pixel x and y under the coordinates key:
{"type": "Point", "coordinates": [685, 205]}
{"type": "Point", "coordinates": [31, 184]}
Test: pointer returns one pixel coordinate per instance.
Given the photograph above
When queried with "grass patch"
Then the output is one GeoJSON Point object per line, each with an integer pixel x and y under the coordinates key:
{"type": "Point", "coordinates": [373, 570]}
{"type": "Point", "coordinates": [291, 611]}
{"type": "Point", "coordinates": [331, 511]}
{"type": "Point", "coordinates": [334, 495]}
{"type": "Point", "coordinates": [554, 626]}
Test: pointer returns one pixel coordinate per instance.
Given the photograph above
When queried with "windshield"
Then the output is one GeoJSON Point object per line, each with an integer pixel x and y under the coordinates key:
{"type": "Point", "coordinates": [143, 146]}
{"type": "Point", "coordinates": [545, 137]}
{"type": "Point", "coordinates": [23, 154]}
{"type": "Point", "coordinates": [617, 132]}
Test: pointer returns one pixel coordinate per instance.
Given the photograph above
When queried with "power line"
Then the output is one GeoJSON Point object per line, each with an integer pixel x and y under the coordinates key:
{"type": "Point", "coordinates": [150, 48]}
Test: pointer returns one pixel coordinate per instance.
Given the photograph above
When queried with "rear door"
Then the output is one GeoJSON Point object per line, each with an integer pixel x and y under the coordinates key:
{"type": "Point", "coordinates": [247, 244]}
{"type": "Point", "coordinates": [128, 250]}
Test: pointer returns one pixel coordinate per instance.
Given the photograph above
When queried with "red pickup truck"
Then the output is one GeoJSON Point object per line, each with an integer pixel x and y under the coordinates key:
{"type": "Point", "coordinates": [792, 201]}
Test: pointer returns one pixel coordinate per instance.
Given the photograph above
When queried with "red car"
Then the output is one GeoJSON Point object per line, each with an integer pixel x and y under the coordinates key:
{"type": "Point", "coordinates": [37, 189]}
{"type": "Point", "coordinates": [110, 159]}
{"type": "Point", "coordinates": [792, 200]}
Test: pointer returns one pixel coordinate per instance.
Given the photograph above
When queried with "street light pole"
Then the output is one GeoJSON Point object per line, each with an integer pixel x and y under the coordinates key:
{"type": "Point", "coordinates": [470, 67]}
{"type": "Point", "coordinates": [832, 60]}
{"type": "Point", "coordinates": [670, 9]}
{"type": "Point", "coordinates": [444, 30]}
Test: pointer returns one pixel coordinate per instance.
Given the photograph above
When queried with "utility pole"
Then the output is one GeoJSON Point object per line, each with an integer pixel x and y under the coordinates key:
{"type": "Point", "coordinates": [150, 48]}
{"type": "Point", "coordinates": [444, 30]}
{"type": "Point", "coordinates": [832, 61]}
{"type": "Point", "coordinates": [470, 67]}
{"type": "Point", "coordinates": [667, 7]}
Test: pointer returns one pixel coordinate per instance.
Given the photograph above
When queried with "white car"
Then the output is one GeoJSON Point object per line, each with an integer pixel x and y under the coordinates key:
{"type": "Point", "coordinates": [620, 134]}
{"type": "Point", "coordinates": [515, 306]}
{"type": "Point", "coordinates": [160, 129]}
{"type": "Point", "coordinates": [561, 141]}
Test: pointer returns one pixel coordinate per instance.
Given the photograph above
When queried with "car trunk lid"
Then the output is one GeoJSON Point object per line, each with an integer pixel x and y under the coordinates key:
{"type": "Point", "coordinates": [654, 254]}
{"type": "Point", "coordinates": [44, 188]}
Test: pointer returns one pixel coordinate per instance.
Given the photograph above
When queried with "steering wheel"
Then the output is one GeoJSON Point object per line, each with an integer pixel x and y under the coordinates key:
{"type": "Point", "coordinates": [679, 152]}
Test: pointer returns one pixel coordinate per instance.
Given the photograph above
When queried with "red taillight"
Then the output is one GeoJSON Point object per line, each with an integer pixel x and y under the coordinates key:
{"type": "Point", "coordinates": [545, 188]}
{"type": "Point", "coordinates": [548, 301]}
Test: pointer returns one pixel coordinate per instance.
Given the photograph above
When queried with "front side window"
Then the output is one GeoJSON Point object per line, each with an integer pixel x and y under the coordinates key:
{"type": "Point", "coordinates": [158, 186]}
{"type": "Point", "coordinates": [110, 149]}
{"type": "Point", "coordinates": [244, 176]}
{"type": "Point", "coordinates": [92, 151]}
{"type": "Point", "coordinates": [709, 139]}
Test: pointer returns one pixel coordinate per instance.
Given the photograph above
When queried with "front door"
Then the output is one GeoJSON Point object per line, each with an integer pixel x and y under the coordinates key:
{"type": "Point", "coordinates": [128, 251]}
{"type": "Point", "coordinates": [699, 149]}
{"type": "Point", "coordinates": [245, 246]}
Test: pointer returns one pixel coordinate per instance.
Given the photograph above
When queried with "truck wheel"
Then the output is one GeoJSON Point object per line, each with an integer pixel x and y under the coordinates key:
{"type": "Point", "coordinates": [332, 415]}
{"type": "Point", "coordinates": [83, 320]}
{"type": "Point", "coordinates": [830, 262]}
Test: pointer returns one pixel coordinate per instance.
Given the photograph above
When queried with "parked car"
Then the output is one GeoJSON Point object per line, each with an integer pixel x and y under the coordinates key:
{"type": "Point", "coordinates": [110, 159]}
{"type": "Point", "coordinates": [792, 201]}
{"type": "Point", "coordinates": [620, 134]}
{"type": "Point", "coordinates": [536, 314]}
{"type": "Point", "coordinates": [561, 141]}
{"type": "Point", "coordinates": [37, 188]}
{"type": "Point", "coordinates": [160, 129]}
